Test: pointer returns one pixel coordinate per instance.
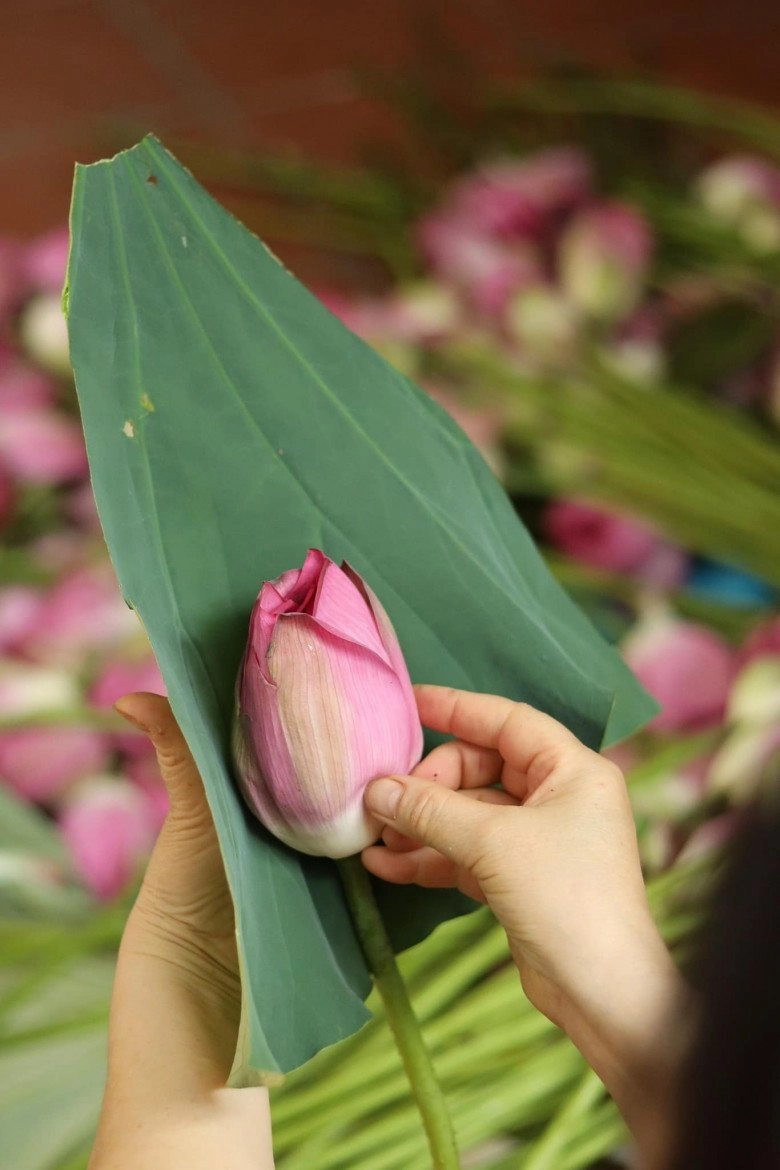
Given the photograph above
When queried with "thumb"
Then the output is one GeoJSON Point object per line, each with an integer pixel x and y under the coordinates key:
{"type": "Point", "coordinates": [448, 821]}
{"type": "Point", "coordinates": [152, 714]}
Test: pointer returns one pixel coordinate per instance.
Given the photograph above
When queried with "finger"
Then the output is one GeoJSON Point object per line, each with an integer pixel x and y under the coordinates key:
{"type": "Point", "coordinates": [461, 765]}
{"type": "Point", "coordinates": [152, 714]}
{"type": "Point", "coordinates": [398, 843]}
{"type": "Point", "coordinates": [432, 814]}
{"type": "Point", "coordinates": [424, 867]}
{"type": "Point", "coordinates": [532, 743]}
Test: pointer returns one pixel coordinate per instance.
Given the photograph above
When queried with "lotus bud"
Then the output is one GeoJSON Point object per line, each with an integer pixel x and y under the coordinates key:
{"type": "Point", "coordinates": [755, 695]}
{"type": "Point", "coordinates": [546, 325]}
{"type": "Point", "coordinates": [39, 763]}
{"type": "Point", "coordinates": [744, 191]}
{"type": "Point", "coordinates": [109, 829]}
{"type": "Point", "coordinates": [42, 446]}
{"type": "Point", "coordinates": [685, 666]}
{"type": "Point", "coordinates": [324, 705]}
{"type": "Point", "coordinates": [614, 542]}
{"type": "Point", "coordinates": [45, 260]}
{"type": "Point", "coordinates": [44, 333]}
{"type": "Point", "coordinates": [603, 258]}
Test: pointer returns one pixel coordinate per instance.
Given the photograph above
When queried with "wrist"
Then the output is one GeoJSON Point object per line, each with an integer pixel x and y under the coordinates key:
{"type": "Point", "coordinates": [630, 1023]}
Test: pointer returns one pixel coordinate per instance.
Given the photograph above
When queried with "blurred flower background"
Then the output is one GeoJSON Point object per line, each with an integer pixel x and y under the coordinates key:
{"type": "Point", "coordinates": [583, 271]}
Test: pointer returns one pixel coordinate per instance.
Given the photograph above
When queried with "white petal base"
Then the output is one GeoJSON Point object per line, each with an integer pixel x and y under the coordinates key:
{"type": "Point", "coordinates": [353, 831]}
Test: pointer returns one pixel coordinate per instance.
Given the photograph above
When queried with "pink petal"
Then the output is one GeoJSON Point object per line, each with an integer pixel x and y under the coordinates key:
{"type": "Point", "coordinates": [20, 607]}
{"type": "Point", "coordinates": [45, 259]}
{"type": "Point", "coordinates": [120, 676]}
{"type": "Point", "coordinates": [686, 667]}
{"type": "Point", "coordinates": [597, 536]}
{"type": "Point", "coordinates": [107, 829]}
{"type": "Point", "coordinates": [39, 762]}
{"type": "Point", "coordinates": [340, 607]}
{"type": "Point", "coordinates": [24, 388]}
{"type": "Point", "coordinates": [40, 446]}
{"type": "Point", "coordinates": [396, 660]}
{"type": "Point", "coordinates": [83, 612]}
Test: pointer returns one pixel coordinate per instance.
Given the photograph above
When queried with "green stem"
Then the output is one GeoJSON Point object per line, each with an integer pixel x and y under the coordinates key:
{"type": "Point", "coordinates": [404, 1025]}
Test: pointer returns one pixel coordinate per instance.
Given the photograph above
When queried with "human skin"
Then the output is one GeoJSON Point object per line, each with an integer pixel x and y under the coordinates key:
{"type": "Point", "coordinates": [552, 850]}
{"type": "Point", "coordinates": [176, 1000]}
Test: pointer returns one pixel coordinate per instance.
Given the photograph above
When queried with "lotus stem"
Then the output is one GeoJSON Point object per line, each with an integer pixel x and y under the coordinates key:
{"type": "Point", "coordinates": [404, 1025]}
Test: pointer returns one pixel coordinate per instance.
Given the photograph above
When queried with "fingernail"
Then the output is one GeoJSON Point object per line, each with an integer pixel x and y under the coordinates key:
{"type": "Point", "coordinates": [383, 797]}
{"type": "Point", "coordinates": [130, 718]}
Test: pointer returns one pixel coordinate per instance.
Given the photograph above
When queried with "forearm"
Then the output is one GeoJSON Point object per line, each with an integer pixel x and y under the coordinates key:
{"type": "Point", "coordinates": [633, 1029]}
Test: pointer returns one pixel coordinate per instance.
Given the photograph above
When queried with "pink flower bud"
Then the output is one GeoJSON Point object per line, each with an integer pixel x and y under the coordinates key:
{"type": "Point", "coordinates": [324, 705]}
{"type": "Point", "coordinates": [519, 197]}
{"type": "Point", "coordinates": [38, 763]}
{"type": "Point", "coordinates": [616, 543]}
{"type": "Point", "coordinates": [686, 667]}
{"type": "Point", "coordinates": [19, 609]}
{"type": "Point", "coordinates": [545, 325]}
{"type": "Point", "coordinates": [41, 446]}
{"type": "Point", "coordinates": [107, 827]}
{"type": "Point", "coordinates": [82, 612]}
{"type": "Point", "coordinates": [44, 333]}
{"type": "Point", "coordinates": [45, 259]}
{"type": "Point", "coordinates": [25, 388]}
{"type": "Point", "coordinates": [30, 690]}
{"type": "Point", "coordinates": [755, 695]}
{"type": "Point", "coordinates": [485, 270]}
{"type": "Point", "coordinates": [749, 755]}
{"type": "Point", "coordinates": [744, 191]}
{"type": "Point", "coordinates": [603, 258]}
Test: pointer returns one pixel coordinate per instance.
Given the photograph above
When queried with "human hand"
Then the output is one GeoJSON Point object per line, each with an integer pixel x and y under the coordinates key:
{"type": "Point", "coordinates": [553, 851]}
{"type": "Point", "coordinates": [177, 994]}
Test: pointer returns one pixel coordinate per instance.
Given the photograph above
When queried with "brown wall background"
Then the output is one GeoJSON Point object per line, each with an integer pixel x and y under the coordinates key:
{"type": "Point", "coordinates": [80, 77]}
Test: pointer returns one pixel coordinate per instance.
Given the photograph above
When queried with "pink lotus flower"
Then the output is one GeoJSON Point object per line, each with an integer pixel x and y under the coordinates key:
{"type": "Point", "coordinates": [109, 831]}
{"type": "Point", "coordinates": [324, 705]}
{"type": "Point", "coordinates": [38, 763]}
{"type": "Point", "coordinates": [744, 191]}
{"type": "Point", "coordinates": [41, 446]}
{"type": "Point", "coordinates": [19, 609]}
{"type": "Point", "coordinates": [518, 198]}
{"type": "Point", "coordinates": [618, 544]}
{"type": "Point", "coordinates": [603, 258]}
{"type": "Point", "coordinates": [686, 667]}
{"type": "Point", "coordinates": [82, 612]}
{"type": "Point", "coordinates": [44, 333]}
{"type": "Point", "coordinates": [419, 313]}
{"type": "Point", "coordinates": [485, 270]}
{"type": "Point", "coordinates": [45, 259]}
{"type": "Point", "coordinates": [24, 388]}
